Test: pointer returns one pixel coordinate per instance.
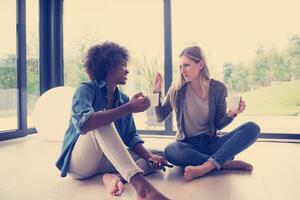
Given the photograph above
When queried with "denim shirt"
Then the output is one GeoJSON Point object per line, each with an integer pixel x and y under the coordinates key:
{"type": "Point", "coordinates": [217, 107]}
{"type": "Point", "coordinates": [91, 97]}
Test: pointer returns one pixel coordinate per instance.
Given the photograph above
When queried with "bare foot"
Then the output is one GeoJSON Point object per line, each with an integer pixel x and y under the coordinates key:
{"type": "Point", "coordinates": [144, 189]}
{"type": "Point", "coordinates": [238, 165]}
{"type": "Point", "coordinates": [113, 184]}
{"type": "Point", "coordinates": [152, 195]}
{"type": "Point", "coordinates": [192, 172]}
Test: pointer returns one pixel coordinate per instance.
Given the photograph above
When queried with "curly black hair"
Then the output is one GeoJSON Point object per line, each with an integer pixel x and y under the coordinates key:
{"type": "Point", "coordinates": [102, 57]}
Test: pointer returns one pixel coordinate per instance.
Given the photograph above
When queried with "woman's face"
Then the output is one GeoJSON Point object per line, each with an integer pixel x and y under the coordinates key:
{"type": "Point", "coordinates": [189, 68]}
{"type": "Point", "coordinates": [118, 75]}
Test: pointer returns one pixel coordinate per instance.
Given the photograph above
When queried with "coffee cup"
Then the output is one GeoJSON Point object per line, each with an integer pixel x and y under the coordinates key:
{"type": "Point", "coordinates": [233, 103]}
{"type": "Point", "coordinates": [153, 99]}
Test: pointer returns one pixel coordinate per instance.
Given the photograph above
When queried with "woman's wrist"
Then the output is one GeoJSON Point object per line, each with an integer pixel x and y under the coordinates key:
{"type": "Point", "coordinates": [142, 151]}
{"type": "Point", "coordinates": [148, 156]}
{"type": "Point", "coordinates": [127, 107]}
{"type": "Point", "coordinates": [231, 114]}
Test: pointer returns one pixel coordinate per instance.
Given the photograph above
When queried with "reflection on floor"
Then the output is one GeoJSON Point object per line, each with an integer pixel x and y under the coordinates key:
{"type": "Point", "coordinates": [27, 172]}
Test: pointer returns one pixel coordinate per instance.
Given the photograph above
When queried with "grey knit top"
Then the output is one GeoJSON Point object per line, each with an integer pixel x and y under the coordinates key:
{"type": "Point", "coordinates": [195, 124]}
{"type": "Point", "coordinates": [217, 115]}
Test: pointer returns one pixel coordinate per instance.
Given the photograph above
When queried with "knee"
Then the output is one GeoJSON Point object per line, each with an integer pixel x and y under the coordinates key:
{"type": "Point", "coordinates": [172, 151]}
{"type": "Point", "coordinates": [252, 129]}
{"type": "Point", "coordinates": [77, 176]}
{"type": "Point", "coordinates": [144, 165]}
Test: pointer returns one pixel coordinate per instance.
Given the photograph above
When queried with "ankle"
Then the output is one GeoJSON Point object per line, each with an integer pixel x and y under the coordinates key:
{"type": "Point", "coordinates": [209, 165]}
{"type": "Point", "coordinates": [140, 184]}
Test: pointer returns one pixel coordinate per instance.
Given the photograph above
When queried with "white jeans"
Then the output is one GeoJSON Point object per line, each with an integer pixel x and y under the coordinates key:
{"type": "Point", "coordinates": [103, 151]}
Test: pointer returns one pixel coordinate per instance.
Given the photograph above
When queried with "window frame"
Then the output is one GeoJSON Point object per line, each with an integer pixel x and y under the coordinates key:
{"type": "Point", "coordinates": [51, 66]}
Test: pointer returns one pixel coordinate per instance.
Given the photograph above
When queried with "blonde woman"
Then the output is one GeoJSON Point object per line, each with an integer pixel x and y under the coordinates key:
{"type": "Point", "coordinates": [200, 108]}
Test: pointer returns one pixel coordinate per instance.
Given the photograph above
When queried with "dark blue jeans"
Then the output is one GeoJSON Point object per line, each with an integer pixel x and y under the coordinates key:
{"type": "Point", "coordinates": [219, 149]}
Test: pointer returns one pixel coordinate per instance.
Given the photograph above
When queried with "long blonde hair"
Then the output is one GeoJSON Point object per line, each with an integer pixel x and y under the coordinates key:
{"type": "Point", "coordinates": [194, 53]}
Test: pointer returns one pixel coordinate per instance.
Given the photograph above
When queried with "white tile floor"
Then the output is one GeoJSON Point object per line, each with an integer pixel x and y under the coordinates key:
{"type": "Point", "coordinates": [27, 172]}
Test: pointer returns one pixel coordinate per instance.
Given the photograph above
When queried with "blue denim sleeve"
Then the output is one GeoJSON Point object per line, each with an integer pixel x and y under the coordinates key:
{"type": "Point", "coordinates": [82, 106]}
{"type": "Point", "coordinates": [132, 138]}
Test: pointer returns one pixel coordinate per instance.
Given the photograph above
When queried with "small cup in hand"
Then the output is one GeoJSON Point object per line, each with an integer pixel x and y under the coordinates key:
{"type": "Point", "coordinates": [153, 99]}
{"type": "Point", "coordinates": [233, 103]}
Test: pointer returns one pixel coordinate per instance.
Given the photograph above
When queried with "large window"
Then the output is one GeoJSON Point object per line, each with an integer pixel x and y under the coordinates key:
{"type": "Point", "coordinates": [136, 24]}
{"type": "Point", "coordinates": [253, 47]}
{"type": "Point", "coordinates": [32, 44]}
{"type": "Point", "coordinates": [8, 66]}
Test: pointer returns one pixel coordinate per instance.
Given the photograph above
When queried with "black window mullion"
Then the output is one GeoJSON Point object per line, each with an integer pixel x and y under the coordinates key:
{"type": "Point", "coordinates": [168, 58]}
{"type": "Point", "coordinates": [51, 44]}
{"type": "Point", "coordinates": [21, 66]}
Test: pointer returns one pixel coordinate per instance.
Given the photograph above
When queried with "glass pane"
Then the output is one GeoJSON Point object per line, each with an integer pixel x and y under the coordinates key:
{"type": "Point", "coordinates": [8, 66]}
{"type": "Point", "coordinates": [253, 49]}
{"type": "Point", "coordinates": [32, 42]}
{"type": "Point", "coordinates": [135, 24]}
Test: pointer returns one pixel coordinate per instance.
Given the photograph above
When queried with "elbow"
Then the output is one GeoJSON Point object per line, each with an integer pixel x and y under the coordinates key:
{"type": "Point", "coordinates": [219, 126]}
{"type": "Point", "coordinates": [160, 116]}
{"type": "Point", "coordinates": [159, 119]}
{"type": "Point", "coordinates": [84, 129]}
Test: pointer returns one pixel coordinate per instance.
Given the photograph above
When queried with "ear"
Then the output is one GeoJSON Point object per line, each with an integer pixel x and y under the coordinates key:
{"type": "Point", "coordinates": [201, 64]}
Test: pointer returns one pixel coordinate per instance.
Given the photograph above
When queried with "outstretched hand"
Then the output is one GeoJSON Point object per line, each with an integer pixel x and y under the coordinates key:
{"type": "Point", "coordinates": [242, 106]}
{"type": "Point", "coordinates": [157, 84]}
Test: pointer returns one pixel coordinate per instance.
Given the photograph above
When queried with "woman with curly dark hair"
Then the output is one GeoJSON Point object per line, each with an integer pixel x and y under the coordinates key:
{"type": "Point", "coordinates": [101, 126]}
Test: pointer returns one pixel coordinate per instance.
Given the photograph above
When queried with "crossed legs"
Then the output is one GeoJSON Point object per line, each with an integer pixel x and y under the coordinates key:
{"type": "Point", "coordinates": [97, 150]}
{"type": "Point", "coordinates": [202, 156]}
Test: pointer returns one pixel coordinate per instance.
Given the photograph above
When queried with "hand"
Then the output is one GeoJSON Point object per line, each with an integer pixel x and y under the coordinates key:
{"type": "Point", "coordinates": [240, 109]}
{"type": "Point", "coordinates": [138, 103]}
{"type": "Point", "coordinates": [242, 106]}
{"type": "Point", "coordinates": [158, 162]}
{"type": "Point", "coordinates": [157, 84]}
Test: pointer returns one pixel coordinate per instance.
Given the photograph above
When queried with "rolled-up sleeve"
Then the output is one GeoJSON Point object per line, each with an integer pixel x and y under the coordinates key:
{"type": "Point", "coordinates": [82, 107]}
{"type": "Point", "coordinates": [222, 118]}
{"type": "Point", "coordinates": [164, 109]}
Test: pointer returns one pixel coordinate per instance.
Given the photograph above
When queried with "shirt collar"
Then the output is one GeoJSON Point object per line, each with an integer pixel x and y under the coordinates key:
{"type": "Point", "coordinates": [117, 93]}
{"type": "Point", "coordinates": [101, 84]}
{"type": "Point", "coordinates": [118, 96]}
